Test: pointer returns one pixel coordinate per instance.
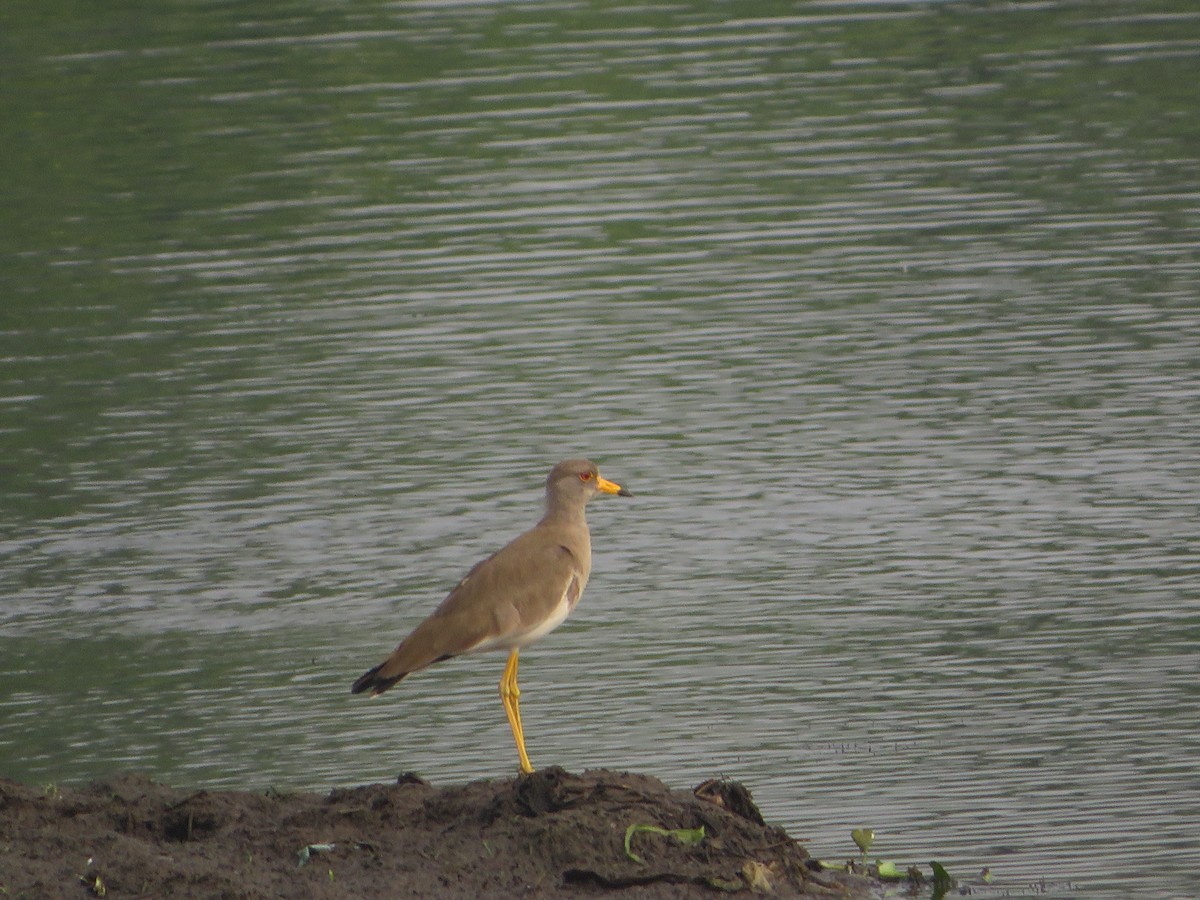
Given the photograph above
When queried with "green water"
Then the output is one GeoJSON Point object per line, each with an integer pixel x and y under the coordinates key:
{"type": "Point", "coordinates": [887, 313]}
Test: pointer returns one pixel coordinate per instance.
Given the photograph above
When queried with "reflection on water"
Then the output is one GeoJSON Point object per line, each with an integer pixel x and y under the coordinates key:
{"type": "Point", "coordinates": [885, 313]}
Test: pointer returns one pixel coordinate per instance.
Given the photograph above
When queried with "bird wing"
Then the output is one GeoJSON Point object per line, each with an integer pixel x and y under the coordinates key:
{"type": "Point", "coordinates": [502, 599]}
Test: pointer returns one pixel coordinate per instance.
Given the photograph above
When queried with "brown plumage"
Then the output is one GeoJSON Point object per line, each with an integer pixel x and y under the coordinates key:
{"type": "Point", "coordinates": [514, 597]}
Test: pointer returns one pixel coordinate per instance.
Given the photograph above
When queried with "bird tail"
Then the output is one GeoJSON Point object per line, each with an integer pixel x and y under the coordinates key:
{"type": "Point", "coordinates": [374, 682]}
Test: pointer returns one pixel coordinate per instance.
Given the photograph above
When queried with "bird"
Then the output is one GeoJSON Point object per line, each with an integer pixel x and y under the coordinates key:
{"type": "Point", "coordinates": [516, 596]}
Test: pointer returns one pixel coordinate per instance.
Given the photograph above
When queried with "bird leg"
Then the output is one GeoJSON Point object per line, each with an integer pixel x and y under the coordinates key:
{"type": "Point", "coordinates": [510, 694]}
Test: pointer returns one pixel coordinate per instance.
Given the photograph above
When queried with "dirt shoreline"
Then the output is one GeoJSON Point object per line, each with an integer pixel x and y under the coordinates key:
{"type": "Point", "coordinates": [550, 834]}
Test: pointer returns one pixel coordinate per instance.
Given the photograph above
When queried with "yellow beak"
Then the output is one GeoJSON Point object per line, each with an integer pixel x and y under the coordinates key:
{"type": "Point", "coordinates": [611, 487]}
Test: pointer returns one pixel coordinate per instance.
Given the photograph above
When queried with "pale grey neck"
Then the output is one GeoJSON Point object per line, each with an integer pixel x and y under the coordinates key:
{"type": "Point", "coordinates": [559, 512]}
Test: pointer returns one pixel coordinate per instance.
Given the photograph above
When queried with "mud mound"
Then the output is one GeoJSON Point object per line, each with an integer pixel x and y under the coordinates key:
{"type": "Point", "coordinates": [550, 834]}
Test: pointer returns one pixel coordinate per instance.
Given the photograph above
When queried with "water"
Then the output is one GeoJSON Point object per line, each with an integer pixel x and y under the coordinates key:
{"type": "Point", "coordinates": [887, 313]}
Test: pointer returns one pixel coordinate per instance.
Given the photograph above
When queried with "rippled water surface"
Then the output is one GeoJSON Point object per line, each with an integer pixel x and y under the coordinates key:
{"type": "Point", "coordinates": [888, 313]}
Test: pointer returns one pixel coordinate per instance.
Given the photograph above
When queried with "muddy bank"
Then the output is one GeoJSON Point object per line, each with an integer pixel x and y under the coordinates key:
{"type": "Point", "coordinates": [550, 834]}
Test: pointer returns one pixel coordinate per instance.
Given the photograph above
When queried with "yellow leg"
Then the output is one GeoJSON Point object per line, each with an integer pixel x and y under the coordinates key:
{"type": "Point", "coordinates": [510, 694]}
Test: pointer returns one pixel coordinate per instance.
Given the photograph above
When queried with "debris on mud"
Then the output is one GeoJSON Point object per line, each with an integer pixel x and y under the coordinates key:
{"type": "Point", "coordinates": [549, 834]}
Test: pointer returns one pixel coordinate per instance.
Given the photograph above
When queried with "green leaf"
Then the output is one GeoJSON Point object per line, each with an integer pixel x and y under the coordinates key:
{"type": "Point", "coordinates": [863, 839]}
{"type": "Point", "coordinates": [685, 836]}
{"type": "Point", "coordinates": [887, 869]}
{"type": "Point", "coordinates": [942, 880]}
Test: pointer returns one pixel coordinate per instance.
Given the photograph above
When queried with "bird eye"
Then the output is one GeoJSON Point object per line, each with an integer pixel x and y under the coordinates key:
{"type": "Point", "coordinates": [585, 476]}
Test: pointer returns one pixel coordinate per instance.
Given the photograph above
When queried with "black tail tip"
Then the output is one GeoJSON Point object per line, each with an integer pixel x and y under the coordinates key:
{"type": "Point", "coordinates": [370, 681]}
{"type": "Point", "coordinates": [365, 681]}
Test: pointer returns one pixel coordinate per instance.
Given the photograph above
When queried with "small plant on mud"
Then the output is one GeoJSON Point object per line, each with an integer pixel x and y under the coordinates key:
{"type": "Point", "coordinates": [863, 839]}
